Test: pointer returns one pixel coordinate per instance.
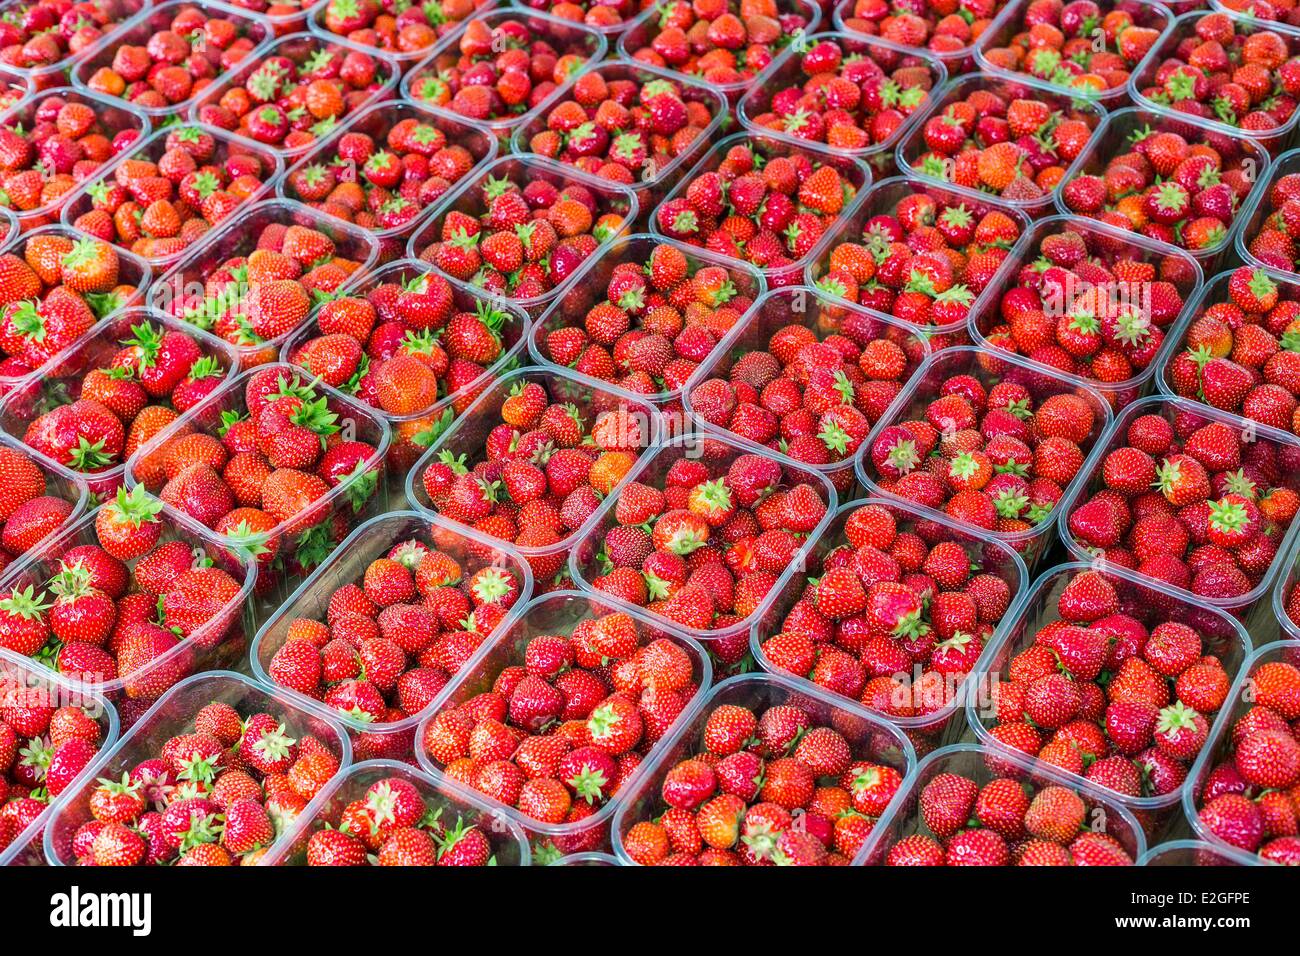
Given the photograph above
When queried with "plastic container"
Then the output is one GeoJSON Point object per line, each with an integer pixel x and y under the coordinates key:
{"type": "Point", "coordinates": [1286, 583]}
{"type": "Point", "coordinates": [154, 19]}
{"type": "Point", "coordinates": [579, 293]}
{"type": "Point", "coordinates": [947, 724]}
{"type": "Point", "coordinates": [1195, 853]}
{"type": "Point", "coordinates": [1145, 13]}
{"type": "Point", "coordinates": [1258, 209]}
{"type": "Point", "coordinates": [413, 433]}
{"type": "Point", "coordinates": [1152, 604]}
{"type": "Point", "coordinates": [790, 306]}
{"type": "Point", "coordinates": [1032, 543]}
{"type": "Point", "coordinates": [14, 88]}
{"type": "Point", "coordinates": [903, 818]}
{"type": "Point", "coordinates": [1184, 26]}
{"type": "Point", "coordinates": [1254, 614]}
{"type": "Point", "coordinates": [643, 31]}
{"type": "Point", "coordinates": [33, 685]}
{"type": "Point", "coordinates": [468, 198]}
{"type": "Point", "coordinates": [961, 60]}
{"type": "Point", "coordinates": [222, 642]}
{"type": "Point", "coordinates": [441, 795]}
{"type": "Point", "coordinates": [588, 859]}
{"type": "Point", "coordinates": [117, 13]}
{"type": "Point", "coordinates": [113, 117]}
{"type": "Point", "coordinates": [1218, 748]}
{"type": "Point", "coordinates": [868, 736]}
{"type": "Point", "coordinates": [131, 270]}
{"type": "Point", "coordinates": [608, 30]}
{"type": "Point", "coordinates": [1263, 11]}
{"type": "Point", "coordinates": [882, 199]}
{"type": "Point", "coordinates": [1106, 244]}
{"type": "Point", "coordinates": [293, 16]}
{"type": "Point", "coordinates": [468, 437]}
{"type": "Point", "coordinates": [651, 182]}
{"type": "Point", "coordinates": [80, 201]}
{"type": "Point", "coordinates": [786, 72]}
{"type": "Point", "coordinates": [345, 505]}
{"type": "Point", "coordinates": [853, 170]}
{"type": "Point", "coordinates": [316, 23]}
{"type": "Point", "coordinates": [59, 483]}
{"type": "Point", "coordinates": [426, 82]}
{"type": "Point", "coordinates": [911, 147]}
{"type": "Point", "coordinates": [558, 613]}
{"type": "Point", "coordinates": [173, 714]}
{"type": "Point", "coordinates": [376, 121]}
{"type": "Point", "coordinates": [59, 381]}
{"type": "Point", "coordinates": [718, 453]}
{"type": "Point", "coordinates": [1114, 136]}
{"type": "Point", "coordinates": [181, 289]}
{"type": "Point", "coordinates": [8, 225]}
{"type": "Point", "coordinates": [347, 564]}
{"type": "Point", "coordinates": [299, 48]}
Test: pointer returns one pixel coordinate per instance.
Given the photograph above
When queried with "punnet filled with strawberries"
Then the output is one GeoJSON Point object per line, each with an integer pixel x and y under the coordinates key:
{"type": "Point", "coordinates": [943, 29]}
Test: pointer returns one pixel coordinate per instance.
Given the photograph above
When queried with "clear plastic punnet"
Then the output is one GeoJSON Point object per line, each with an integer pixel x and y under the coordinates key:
{"type": "Point", "coordinates": [992, 328]}
{"type": "Point", "coordinates": [49, 66]}
{"type": "Point", "coordinates": [885, 199]}
{"type": "Point", "coordinates": [1032, 541]}
{"type": "Point", "coordinates": [377, 121]}
{"type": "Point", "coordinates": [174, 714]}
{"type": "Point", "coordinates": [39, 520]}
{"type": "Point", "coordinates": [651, 179]}
{"type": "Point", "coordinates": [451, 805]}
{"type": "Point", "coordinates": [346, 565]}
{"type": "Point", "coordinates": [614, 212]}
{"type": "Point", "coordinates": [608, 17]}
{"type": "Point", "coordinates": [1286, 598]}
{"type": "Point", "coordinates": [955, 51]}
{"type": "Point", "coordinates": [558, 613]}
{"type": "Point", "coordinates": [227, 147]}
{"type": "Point", "coordinates": [1183, 414]}
{"type": "Point", "coordinates": [1148, 603]}
{"type": "Point", "coordinates": [915, 158]}
{"type": "Point", "coordinates": [1102, 813]}
{"type": "Point", "coordinates": [1194, 853]}
{"type": "Point", "coordinates": [1261, 237]}
{"type": "Point", "coordinates": [942, 720]}
{"type": "Point", "coordinates": [383, 31]}
{"type": "Point", "coordinates": [25, 684]}
{"type": "Point", "coordinates": [869, 737]}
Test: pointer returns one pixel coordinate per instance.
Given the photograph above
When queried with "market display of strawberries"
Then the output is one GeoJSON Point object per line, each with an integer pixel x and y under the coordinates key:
{"type": "Point", "coordinates": [405, 30]}
{"type": "Point", "coordinates": [1058, 42]}
{"type": "Point", "coordinates": [394, 823]}
{"type": "Point", "coordinates": [529, 466]}
{"type": "Point", "coordinates": [1233, 71]}
{"type": "Point", "coordinates": [1108, 690]}
{"type": "Point", "coordinates": [1247, 795]}
{"type": "Point", "coordinates": [265, 466]}
{"type": "Point", "coordinates": [893, 612]}
{"type": "Point", "coordinates": [762, 203]}
{"type": "Point", "coordinates": [383, 180]}
{"type": "Point", "coordinates": [54, 286]}
{"type": "Point", "coordinates": [943, 27]}
{"type": "Point", "coordinates": [37, 502]}
{"type": "Point", "coordinates": [501, 65]}
{"type": "Point", "coordinates": [166, 61]}
{"type": "Point", "coordinates": [49, 32]}
{"type": "Point", "coordinates": [1170, 181]}
{"type": "Point", "coordinates": [1271, 238]}
{"type": "Point", "coordinates": [133, 600]}
{"type": "Point", "coordinates": [1088, 302]}
{"type": "Point", "coordinates": [847, 93]}
{"type": "Point", "coordinates": [219, 794]}
{"type": "Point", "coordinates": [701, 540]}
{"type": "Point", "coordinates": [163, 198]}
{"type": "Point", "coordinates": [1000, 818]}
{"type": "Point", "coordinates": [523, 227]}
{"type": "Point", "coordinates": [1194, 502]}
{"type": "Point", "coordinates": [808, 382]}
{"type": "Point", "coordinates": [725, 42]}
{"type": "Point", "coordinates": [623, 126]}
{"type": "Point", "coordinates": [767, 786]}
{"type": "Point", "coordinates": [645, 320]}
{"type": "Point", "coordinates": [922, 257]}
{"type": "Point", "coordinates": [50, 145]}
{"type": "Point", "coordinates": [1014, 148]}
{"type": "Point", "coordinates": [393, 638]}
{"type": "Point", "coordinates": [47, 746]}
{"type": "Point", "coordinates": [989, 454]}
{"type": "Point", "coordinates": [295, 93]}
{"type": "Point", "coordinates": [1241, 353]}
